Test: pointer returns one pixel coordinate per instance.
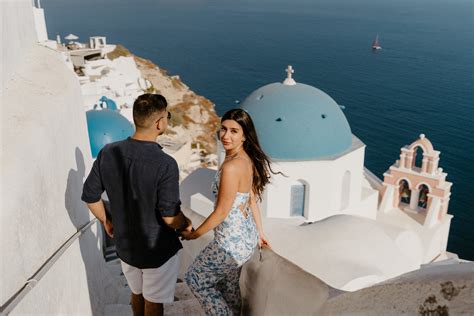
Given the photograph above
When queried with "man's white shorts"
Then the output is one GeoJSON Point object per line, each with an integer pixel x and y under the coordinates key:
{"type": "Point", "coordinates": [157, 285]}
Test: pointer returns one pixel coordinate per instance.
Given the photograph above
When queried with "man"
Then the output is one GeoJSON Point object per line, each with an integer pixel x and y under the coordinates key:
{"type": "Point", "coordinates": [145, 217]}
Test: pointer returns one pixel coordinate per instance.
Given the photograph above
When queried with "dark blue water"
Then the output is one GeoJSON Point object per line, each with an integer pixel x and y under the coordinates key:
{"type": "Point", "coordinates": [421, 82]}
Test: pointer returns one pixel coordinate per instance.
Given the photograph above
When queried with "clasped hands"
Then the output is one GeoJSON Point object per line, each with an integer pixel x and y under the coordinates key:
{"type": "Point", "coordinates": [188, 233]}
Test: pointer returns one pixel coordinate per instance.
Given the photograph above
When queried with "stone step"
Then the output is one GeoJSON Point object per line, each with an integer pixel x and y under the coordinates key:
{"type": "Point", "coordinates": [182, 292]}
{"type": "Point", "coordinates": [117, 310]}
{"type": "Point", "coordinates": [185, 303]}
{"type": "Point", "coordinates": [124, 295]}
{"type": "Point", "coordinates": [187, 307]}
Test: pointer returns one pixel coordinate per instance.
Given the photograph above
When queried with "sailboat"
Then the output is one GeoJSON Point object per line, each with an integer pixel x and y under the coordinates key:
{"type": "Point", "coordinates": [376, 44]}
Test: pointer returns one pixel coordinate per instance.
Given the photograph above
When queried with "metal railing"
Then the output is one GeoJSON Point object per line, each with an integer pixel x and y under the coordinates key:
{"type": "Point", "coordinates": [13, 301]}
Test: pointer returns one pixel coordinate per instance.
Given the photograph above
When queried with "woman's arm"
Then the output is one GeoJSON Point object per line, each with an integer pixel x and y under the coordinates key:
{"type": "Point", "coordinates": [228, 187]}
{"type": "Point", "coordinates": [256, 213]}
{"type": "Point", "coordinates": [262, 240]}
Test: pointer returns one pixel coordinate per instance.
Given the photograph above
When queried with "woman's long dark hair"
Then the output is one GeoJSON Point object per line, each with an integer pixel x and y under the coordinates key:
{"type": "Point", "coordinates": [261, 163]}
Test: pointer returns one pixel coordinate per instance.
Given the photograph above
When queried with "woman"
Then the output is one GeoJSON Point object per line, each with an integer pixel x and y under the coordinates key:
{"type": "Point", "coordinates": [214, 275]}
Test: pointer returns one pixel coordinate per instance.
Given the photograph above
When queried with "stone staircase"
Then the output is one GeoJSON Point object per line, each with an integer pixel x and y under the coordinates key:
{"type": "Point", "coordinates": [119, 302]}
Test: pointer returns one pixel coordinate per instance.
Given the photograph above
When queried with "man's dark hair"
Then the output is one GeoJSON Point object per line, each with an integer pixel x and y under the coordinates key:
{"type": "Point", "coordinates": [145, 106]}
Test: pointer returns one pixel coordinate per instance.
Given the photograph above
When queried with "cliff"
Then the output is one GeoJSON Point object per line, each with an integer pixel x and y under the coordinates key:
{"type": "Point", "coordinates": [193, 116]}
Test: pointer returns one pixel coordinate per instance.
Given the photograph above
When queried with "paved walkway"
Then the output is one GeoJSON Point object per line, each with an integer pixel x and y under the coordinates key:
{"type": "Point", "coordinates": [184, 304]}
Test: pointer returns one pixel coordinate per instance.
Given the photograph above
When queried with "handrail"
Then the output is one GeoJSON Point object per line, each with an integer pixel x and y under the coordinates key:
{"type": "Point", "coordinates": [13, 301]}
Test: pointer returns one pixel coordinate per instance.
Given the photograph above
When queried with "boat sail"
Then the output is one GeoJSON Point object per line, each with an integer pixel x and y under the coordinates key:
{"type": "Point", "coordinates": [376, 44]}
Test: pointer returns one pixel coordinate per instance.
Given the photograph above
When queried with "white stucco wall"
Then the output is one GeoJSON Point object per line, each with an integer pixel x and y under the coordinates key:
{"type": "Point", "coordinates": [18, 35]}
{"type": "Point", "coordinates": [347, 252]}
{"type": "Point", "coordinates": [40, 25]}
{"type": "Point", "coordinates": [433, 239]}
{"type": "Point", "coordinates": [324, 181]}
{"type": "Point", "coordinates": [45, 157]}
{"type": "Point", "coordinates": [74, 285]}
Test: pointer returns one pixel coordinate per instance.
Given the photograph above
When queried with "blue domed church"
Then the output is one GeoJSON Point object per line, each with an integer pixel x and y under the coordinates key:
{"type": "Point", "coordinates": [106, 126]}
{"type": "Point", "coordinates": [307, 136]}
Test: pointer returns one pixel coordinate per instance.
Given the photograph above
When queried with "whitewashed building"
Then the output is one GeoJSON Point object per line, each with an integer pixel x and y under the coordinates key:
{"type": "Point", "coordinates": [307, 136]}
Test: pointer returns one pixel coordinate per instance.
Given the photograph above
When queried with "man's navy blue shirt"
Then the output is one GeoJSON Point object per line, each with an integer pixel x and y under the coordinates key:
{"type": "Point", "coordinates": [142, 184]}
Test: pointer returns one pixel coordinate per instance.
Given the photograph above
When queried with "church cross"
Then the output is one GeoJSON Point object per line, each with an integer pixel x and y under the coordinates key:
{"type": "Point", "coordinates": [289, 71]}
{"type": "Point", "coordinates": [289, 79]}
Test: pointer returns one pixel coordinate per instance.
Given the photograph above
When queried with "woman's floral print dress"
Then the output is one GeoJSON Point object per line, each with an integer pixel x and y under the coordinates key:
{"type": "Point", "coordinates": [213, 277]}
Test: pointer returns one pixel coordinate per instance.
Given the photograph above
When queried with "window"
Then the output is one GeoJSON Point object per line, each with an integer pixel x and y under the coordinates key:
{"type": "Point", "coordinates": [297, 199]}
{"type": "Point", "coordinates": [345, 190]}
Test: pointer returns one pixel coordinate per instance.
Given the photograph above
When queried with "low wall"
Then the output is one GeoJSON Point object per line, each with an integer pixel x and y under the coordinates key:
{"type": "Point", "coordinates": [275, 286]}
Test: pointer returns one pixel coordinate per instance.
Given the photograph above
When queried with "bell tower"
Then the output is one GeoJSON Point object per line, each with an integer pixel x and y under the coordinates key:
{"type": "Point", "coordinates": [417, 189]}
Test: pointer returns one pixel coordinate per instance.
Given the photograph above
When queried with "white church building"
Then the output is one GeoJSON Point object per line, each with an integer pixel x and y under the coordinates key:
{"type": "Point", "coordinates": [308, 138]}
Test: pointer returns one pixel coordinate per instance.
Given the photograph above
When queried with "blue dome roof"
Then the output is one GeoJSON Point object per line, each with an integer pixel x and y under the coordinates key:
{"type": "Point", "coordinates": [106, 126]}
{"type": "Point", "coordinates": [298, 122]}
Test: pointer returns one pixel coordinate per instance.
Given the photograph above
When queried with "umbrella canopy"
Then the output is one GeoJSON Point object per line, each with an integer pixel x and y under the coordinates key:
{"type": "Point", "coordinates": [71, 37]}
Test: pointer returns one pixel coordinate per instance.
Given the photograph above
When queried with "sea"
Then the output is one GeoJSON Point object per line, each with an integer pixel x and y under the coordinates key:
{"type": "Point", "coordinates": [422, 81]}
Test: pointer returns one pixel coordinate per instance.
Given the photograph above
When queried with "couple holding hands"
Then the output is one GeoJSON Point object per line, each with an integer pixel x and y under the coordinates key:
{"type": "Point", "coordinates": [145, 218]}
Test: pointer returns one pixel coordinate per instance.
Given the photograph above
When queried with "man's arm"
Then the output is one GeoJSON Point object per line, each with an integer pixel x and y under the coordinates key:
{"type": "Point", "coordinates": [91, 194]}
{"type": "Point", "coordinates": [168, 199]}
{"type": "Point", "coordinates": [98, 209]}
{"type": "Point", "coordinates": [179, 222]}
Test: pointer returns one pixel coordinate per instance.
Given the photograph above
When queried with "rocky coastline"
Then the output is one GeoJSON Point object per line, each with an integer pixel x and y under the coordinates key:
{"type": "Point", "coordinates": [193, 116]}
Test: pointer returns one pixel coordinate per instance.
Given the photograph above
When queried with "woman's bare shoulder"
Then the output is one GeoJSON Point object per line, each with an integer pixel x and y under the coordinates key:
{"type": "Point", "coordinates": [234, 166]}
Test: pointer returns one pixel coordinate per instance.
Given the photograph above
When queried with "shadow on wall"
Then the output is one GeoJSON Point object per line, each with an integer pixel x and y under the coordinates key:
{"type": "Point", "coordinates": [88, 241]}
{"type": "Point", "coordinates": [77, 210]}
{"type": "Point", "coordinates": [199, 181]}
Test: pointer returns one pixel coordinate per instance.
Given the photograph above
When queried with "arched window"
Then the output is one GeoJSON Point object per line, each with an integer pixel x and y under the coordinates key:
{"type": "Point", "coordinates": [405, 192]}
{"type": "Point", "coordinates": [423, 196]}
{"type": "Point", "coordinates": [298, 193]}
{"type": "Point", "coordinates": [345, 192]}
{"type": "Point", "coordinates": [418, 157]}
